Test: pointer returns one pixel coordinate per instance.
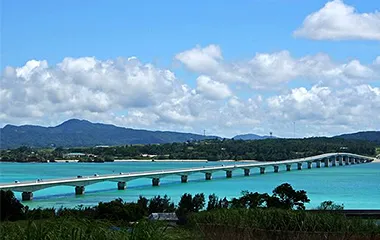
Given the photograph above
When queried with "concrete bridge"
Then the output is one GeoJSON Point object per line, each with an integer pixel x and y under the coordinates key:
{"type": "Point", "coordinates": [326, 160]}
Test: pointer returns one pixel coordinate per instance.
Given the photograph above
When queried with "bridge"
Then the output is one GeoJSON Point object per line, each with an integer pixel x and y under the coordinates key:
{"type": "Point", "coordinates": [330, 159]}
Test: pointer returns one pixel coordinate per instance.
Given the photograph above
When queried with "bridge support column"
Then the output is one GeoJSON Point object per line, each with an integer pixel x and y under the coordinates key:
{"type": "Point", "coordinates": [121, 185]}
{"type": "Point", "coordinates": [27, 196]}
{"type": "Point", "coordinates": [326, 162]}
{"type": "Point", "coordinates": [299, 166]}
{"type": "Point", "coordinates": [288, 167]}
{"type": "Point", "coordinates": [247, 172]}
{"type": "Point", "coordinates": [318, 163]}
{"type": "Point", "coordinates": [352, 160]}
{"type": "Point", "coordinates": [262, 170]}
{"type": "Point", "coordinates": [309, 165]}
{"type": "Point", "coordinates": [340, 159]}
{"type": "Point", "coordinates": [362, 160]}
{"type": "Point", "coordinates": [155, 182]}
{"type": "Point", "coordinates": [183, 178]}
{"type": "Point", "coordinates": [208, 176]}
{"type": "Point", "coordinates": [79, 190]}
{"type": "Point", "coordinates": [228, 174]}
{"type": "Point", "coordinates": [333, 161]}
{"type": "Point", "coordinates": [346, 160]}
{"type": "Point", "coordinates": [275, 168]}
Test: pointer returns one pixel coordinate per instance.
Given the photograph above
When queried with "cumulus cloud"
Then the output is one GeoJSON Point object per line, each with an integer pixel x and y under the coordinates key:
{"type": "Point", "coordinates": [324, 106]}
{"type": "Point", "coordinates": [211, 89]}
{"type": "Point", "coordinates": [201, 59]}
{"type": "Point", "coordinates": [338, 21]}
{"type": "Point", "coordinates": [275, 70]}
{"type": "Point", "coordinates": [129, 93]}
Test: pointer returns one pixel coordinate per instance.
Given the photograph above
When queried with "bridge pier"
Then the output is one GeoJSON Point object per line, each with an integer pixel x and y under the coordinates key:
{"type": "Point", "coordinates": [275, 168]}
{"type": "Point", "coordinates": [309, 165]}
{"type": "Point", "coordinates": [208, 176]}
{"type": "Point", "coordinates": [79, 190]}
{"type": "Point", "coordinates": [299, 166]}
{"type": "Point", "coordinates": [333, 161]}
{"type": "Point", "coordinates": [121, 185]}
{"type": "Point", "coordinates": [155, 182]}
{"type": "Point", "coordinates": [27, 196]}
{"type": "Point", "coordinates": [183, 178]}
{"type": "Point", "coordinates": [326, 162]}
{"type": "Point", "coordinates": [228, 174]}
{"type": "Point", "coordinates": [262, 170]}
{"type": "Point", "coordinates": [247, 172]}
{"type": "Point", "coordinates": [340, 159]}
{"type": "Point", "coordinates": [346, 160]}
{"type": "Point", "coordinates": [288, 167]}
{"type": "Point", "coordinates": [318, 162]}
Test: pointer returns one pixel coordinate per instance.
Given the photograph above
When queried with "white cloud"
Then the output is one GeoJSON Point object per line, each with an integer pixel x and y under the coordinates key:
{"type": "Point", "coordinates": [275, 70]}
{"type": "Point", "coordinates": [338, 21]}
{"type": "Point", "coordinates": [129, 93]}
{"type": "Point", "coordinates": [327, 109]}
{"type": "Point", "coordinates": [201, 59]}
{"type": "Point", "coordinates": [211, 89]}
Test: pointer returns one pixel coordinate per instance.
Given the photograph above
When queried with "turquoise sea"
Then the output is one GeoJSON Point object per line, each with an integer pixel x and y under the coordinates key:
{"type": "Point", "coordinates": [355, 186]}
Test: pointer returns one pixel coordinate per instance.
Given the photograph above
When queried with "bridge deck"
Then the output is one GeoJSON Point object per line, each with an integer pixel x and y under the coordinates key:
{"type": "Point", "coordinates": [124, 177]}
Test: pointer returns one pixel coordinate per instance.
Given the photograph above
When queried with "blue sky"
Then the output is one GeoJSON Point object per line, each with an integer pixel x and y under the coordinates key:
{"type": "Point", "coordinates": [157, 31]}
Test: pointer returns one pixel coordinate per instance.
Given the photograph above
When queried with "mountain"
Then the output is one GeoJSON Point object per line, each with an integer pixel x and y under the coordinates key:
{"type": "Point", "coordinates": [82, 133]}
{"type": "Point", "coordinates": [372, 136]}
{"type": "Point", "coordinates": [250, 136]}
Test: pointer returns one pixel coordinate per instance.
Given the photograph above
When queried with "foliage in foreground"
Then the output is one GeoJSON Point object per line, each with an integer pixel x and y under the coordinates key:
{"type": "Point", "coordinates": [223, 222]}
{"type": "Point", "coordinates": [75, 229]}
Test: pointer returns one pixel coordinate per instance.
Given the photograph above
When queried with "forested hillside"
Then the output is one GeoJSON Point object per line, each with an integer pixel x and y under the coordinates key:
{"type": "Point", "coordinates": [372, 136]}
{"type": "Point", "coordinates": [262, 150]}
{"type": "Point", "coordinates": [82, 133]}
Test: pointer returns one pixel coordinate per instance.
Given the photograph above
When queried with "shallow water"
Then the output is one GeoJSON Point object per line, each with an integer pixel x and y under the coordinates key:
{"type": "Point", "coordinates": [355, 186]}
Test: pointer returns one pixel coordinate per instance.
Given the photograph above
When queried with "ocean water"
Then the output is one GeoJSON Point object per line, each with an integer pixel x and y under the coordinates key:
{"type": "Point", "coordinates": [355, 186]}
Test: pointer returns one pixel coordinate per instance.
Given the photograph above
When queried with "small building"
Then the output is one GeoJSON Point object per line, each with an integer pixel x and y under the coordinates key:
{"type": "Point", "coordinates": [73, 155]}
{"type": "Point", "coordinates": [170, 218]}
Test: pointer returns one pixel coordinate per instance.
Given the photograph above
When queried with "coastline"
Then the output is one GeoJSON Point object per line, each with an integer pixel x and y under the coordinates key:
{"type": "Point", "coordinates": [178, 160]}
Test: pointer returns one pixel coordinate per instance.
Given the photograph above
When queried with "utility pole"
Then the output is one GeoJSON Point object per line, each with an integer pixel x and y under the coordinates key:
{"type": "Point", "coordinates": [204, 133]}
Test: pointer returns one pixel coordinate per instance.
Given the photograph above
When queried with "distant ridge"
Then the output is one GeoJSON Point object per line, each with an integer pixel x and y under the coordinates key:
{"type": "Point", "coordinates": [251, 136]}
{"type": "Point", "coordinates": [82, 133]}
{"type": "Point", "coordinates": [372, 136]}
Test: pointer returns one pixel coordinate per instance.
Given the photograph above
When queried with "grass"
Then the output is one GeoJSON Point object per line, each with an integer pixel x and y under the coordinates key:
{"type": "Point", "coordinates": [216, 224]}
{"type": "Point", "coordinates": [75, 229]}
{"type": "Point", "coordinates": [281, 224]}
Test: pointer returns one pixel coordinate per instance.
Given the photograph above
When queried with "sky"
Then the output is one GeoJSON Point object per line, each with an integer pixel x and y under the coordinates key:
{"type": "Point", "coordinates": [292, 67]}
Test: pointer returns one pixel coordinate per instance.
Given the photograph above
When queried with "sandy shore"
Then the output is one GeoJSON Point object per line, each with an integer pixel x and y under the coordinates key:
{"type": "Point", "coordinates": [63, 160]}
{"type": "Point", "coordinates": [178, 160]}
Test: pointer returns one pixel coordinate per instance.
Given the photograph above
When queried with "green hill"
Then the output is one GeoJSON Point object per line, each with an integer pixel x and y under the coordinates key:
{"type": "Point", "coordinates": [82, 133]}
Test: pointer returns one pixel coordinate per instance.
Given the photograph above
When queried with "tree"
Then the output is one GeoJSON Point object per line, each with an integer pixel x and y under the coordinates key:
{"type": "Point", "coordinates": [213, 202]}
{"type": "Point", "coordinates": [10, 208]}
{"type": "Point", "coordinates": [189, 204]}
{"type": "Point", "coordinates": [159, 204]}
{"type": "Point", "coordinates": [284, 196]}
{"type": "Point", "coordinates": [330, 205]}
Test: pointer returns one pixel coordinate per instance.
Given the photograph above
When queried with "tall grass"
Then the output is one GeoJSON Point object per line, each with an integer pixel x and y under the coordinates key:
{"type": "Point", "coordinates": [75, 229]}
{"type": "Point", "coordinates": [277, 223]}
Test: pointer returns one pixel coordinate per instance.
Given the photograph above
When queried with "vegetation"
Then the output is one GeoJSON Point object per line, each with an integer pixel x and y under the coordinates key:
{"type": "Point", "coordinates": [213, 150]}
{"type": "Point", "coordinates": [372, 136]}
{"type": "Point", "coordinates": [76, 132]}
{"type": "Point", "coordinates": [251, 216]}
{"type": "Point", "coordinates": [258, 223]}
{"type": "Point", "coordinates": [76, 229]}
